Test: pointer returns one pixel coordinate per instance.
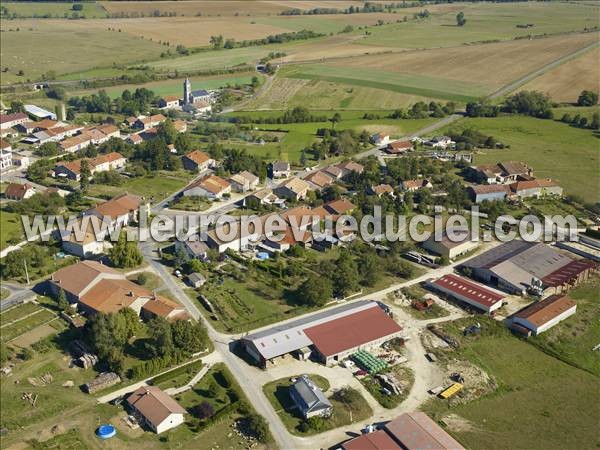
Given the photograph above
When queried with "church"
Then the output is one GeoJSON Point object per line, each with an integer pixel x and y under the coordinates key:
{"type": "Point", "coordinates": [198, 98]}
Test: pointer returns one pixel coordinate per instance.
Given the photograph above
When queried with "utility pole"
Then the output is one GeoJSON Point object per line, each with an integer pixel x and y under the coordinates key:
{"type": "Point", "coordinates": [26, 272]}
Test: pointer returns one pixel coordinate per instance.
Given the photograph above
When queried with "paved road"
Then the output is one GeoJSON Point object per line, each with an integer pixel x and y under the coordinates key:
{"type": "Point", "coordinates": [18, 294]}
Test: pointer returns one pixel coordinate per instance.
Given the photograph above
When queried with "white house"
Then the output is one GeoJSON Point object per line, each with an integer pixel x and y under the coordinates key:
{"type": "Point", "coordinates": [211, 187]}
{"type": "Point", "coordinates": [156, 409]}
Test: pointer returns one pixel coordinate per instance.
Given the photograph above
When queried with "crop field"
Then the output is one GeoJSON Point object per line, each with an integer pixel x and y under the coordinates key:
{"type": "Point", "coordinates": [53, 10]}
{"type": "Point", "coordinates": [565, 82]}
{"type": "Point", "coordinates": [193, 31]}
{"type": "Point", "coordinates": [486, 22]}
{"type": "Point", "coordinates": [536, 392]}
{"type": "Point", "coordinates": [412, 84]}
{"type": "Point", "coordinates": [553, 149]}
{"type": "Point", "coordinates": [62, 46]}
{"type": "Point", "coordinates": [219, 8]}
{"type": "Point", "coordinates": [175, 87]}
{"type": "Point", "coordinates": [466, 64]}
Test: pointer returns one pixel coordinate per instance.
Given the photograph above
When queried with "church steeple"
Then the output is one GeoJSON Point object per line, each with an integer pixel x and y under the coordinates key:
{"type": "Point", "coordinates": [187, 90]}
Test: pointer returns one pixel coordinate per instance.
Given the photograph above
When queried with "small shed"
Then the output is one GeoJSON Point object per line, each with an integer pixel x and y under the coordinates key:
{"type": "Point", "coordinates": [196, 279]}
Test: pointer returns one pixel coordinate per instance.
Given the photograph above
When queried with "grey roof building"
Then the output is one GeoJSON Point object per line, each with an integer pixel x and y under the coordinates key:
{"type": "Point", "coordinates": [513, 265]}
{"type": "Point", "coordinates": [309, 399]}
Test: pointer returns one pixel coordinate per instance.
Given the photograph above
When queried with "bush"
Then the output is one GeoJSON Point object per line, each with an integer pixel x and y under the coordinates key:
{"type": "Point", "coordinates": [142, 279]}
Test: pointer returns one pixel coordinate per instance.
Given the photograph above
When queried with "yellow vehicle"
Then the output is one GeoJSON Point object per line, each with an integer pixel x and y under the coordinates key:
{"type": "Point", "coordinates": [450, 391]}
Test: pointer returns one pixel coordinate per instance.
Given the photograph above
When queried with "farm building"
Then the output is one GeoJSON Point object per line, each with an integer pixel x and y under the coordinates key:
{"type": "Point", "coordinates": [156, 409]}
{"type": "Point", "coordinates": [500, 173]}
{"type": "Point", "coordinates": [464, 290]}
{"type": "Point", "coordinates": [331, 335]}
{"type": "Point", "coordinates": [397, 147]}
{"type": "Point", "coordinates": [489, 192]}
{"type": "Point", "coordinates": [410, 431]}
{"type": "Point", "coordinates": [513, 266]}
{"type": "Point", "coordinates": [543, 315]}
{"type": "Point", "coordinates": [39, 113]}
{"type": "Point", "coordinates": [309, 399]}
{"type": "Point", "coordinates": [456, 242]}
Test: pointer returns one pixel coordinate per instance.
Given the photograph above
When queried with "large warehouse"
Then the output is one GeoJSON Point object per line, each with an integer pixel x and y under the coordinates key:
{"type": "Point", "coordinates": [474, 294]}
{"type": "Point", "coordinates": [543, 315]}
{"type": "Point", "coordinates": [330, 335]}
{"type": "Point", "coordinates": [513, 266]}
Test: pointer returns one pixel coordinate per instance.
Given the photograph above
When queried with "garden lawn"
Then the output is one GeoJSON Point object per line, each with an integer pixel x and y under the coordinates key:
{"type": "Point", "coordinates": [278, 394]}
{"type": "Point", "coordinates": [573, 339]}
{"type": "Point", "coordinates": [539, 401]}
{"type": "Point", "coordinates": [11, 229]}
{"type": "Point", "coordinates": [553, 149]}
{"type": "Point", "coordinates": [153, 187]}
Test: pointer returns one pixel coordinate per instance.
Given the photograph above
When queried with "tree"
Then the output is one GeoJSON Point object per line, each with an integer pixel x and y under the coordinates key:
{"type": "Point", "coordinates": [216, 41]}
{"type": "Point", "coordinates": [85, 174]}
{"type": "Point", "coordinates": [345, 276]}
{"type": "Point", "coordinates": [56, 92]}
{"type": "Point", "coordinates": [162, 337]}
{"type": "Point", "coordinates": [587, 98]}
{"type": "Point", "coordinates": [189, 336]}
{"type": "Point", "coordinates": [125, 253]}
{"type": "Point", "coordinates": [532, 103]}
{"type": "Point", "coordinates": [595, 124]}
{"type": "Point", "coordinates": [61, 300]}
{"type": "Point", "coordinates": [77, 7]}
{"type": "Point", "coordinates": [167, 132]}
{"type": "Point", "coordinates": [315, 291]}
{"type": "Point", "coordinates": [204, 410]}
{"type": "Point", "coordinates": [16, 106]}
{"type": "Point", "coordinates": [335, 119]}
{"type": "Point", "coordinates": [370, 269]}
{"type": "Point", "coordinates": [460, 19]}
{"type": "Point", "coordinates": [259, 427]}
{"type": "Point", "coordinates": [47, 149]}
{"type": "Point", "coordinates": [214, 390]}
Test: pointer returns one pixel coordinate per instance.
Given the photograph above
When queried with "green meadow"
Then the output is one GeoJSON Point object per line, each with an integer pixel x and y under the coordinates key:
{"type": "Point", "coordinates": [420, 85]}
{"type": "Point", "coordinates": [553, 149]}
{"type": "Point", "coordinates": [486, 22]}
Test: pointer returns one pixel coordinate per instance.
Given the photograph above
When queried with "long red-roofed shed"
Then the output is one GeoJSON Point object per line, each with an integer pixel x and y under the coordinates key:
{"type": "Point", "coordinates": [341, 337]}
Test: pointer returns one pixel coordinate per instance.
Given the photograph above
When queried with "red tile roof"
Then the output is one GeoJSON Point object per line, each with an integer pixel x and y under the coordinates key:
{"type": "Point", "coordinates": [466, 288]}
{"type": "Point", "coordinates": [4, 118]}
{"type": "Point", "coordinates": [17, 191]}
{"type": "Point", "coordinates": [416, 431]}
{"type": "Point", "coordinates": [542, 312]}
{"type": "Point", "coordinates": [352, 331]}
{"type": "Point", "coordinates": [568, 272]}
{"type": "Point", "coordinates": [378, 440]}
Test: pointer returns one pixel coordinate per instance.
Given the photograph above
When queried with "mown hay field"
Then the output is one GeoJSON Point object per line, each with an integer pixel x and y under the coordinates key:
{"type": "Point", "coordinates": [489, 65]}
{"type": "Point", "coordinates": [66, 46]}
{"type": "Point", "coordinates": [565, 82]}
{"type": "Point", "coordinates": [286, 93]}
{"type": "Point", "coordinates": [487, 22]}
{"type": "Point", "coordinates": [52, 9]}
{"type": "Point", "coordinates": [220, 8]}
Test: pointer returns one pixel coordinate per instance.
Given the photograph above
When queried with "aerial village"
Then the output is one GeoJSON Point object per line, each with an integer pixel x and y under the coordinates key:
{"type": "Point", "coordinates": [341, 342]}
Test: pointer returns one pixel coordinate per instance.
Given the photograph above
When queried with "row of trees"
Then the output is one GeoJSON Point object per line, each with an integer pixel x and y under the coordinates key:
{"type": "Point", "coordinates": [299, 114]}
{"type": "Point", "coordinates": [419, 110]}
{"type": "Point", "coordinates": [129, 103]}
{"type": "Point", "coordinates": [218, 41]}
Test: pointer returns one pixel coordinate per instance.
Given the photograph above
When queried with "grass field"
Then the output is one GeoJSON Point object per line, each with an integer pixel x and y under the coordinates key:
{"type": "Point", "coordinates": [154, 187]}
{"type": "Point", "coordinates": [412, 84]}
{"type": "Point", "coordinates": [573, 339]}
{"type": "Point", "coordinates": [553, 149]}
{"type": "Point", "coordinates": [18, 312]}
{"type": "Point", "coordinates": [55, 10]}
{"type": "Point", "coordinates": [538, 403]}
{"type": "Point", "coordinates": [486, 22]}
{"type": "Point", "coordinates": [66, 46]}
{"type": "Point", "coordinates": [300, 135]}
{"type": "Point", "coordinates": [11, 229]}
{"type": "Point", "coordinates": [286, 93]}
{"type": "Point", "coordinates": [565, 83]}
{"type": "Point", "coordinates": [344, 413]}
